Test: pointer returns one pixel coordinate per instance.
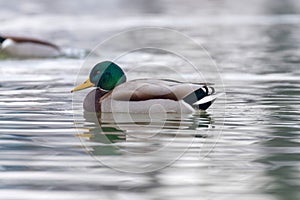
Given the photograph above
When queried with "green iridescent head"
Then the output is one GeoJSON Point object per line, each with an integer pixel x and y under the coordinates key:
{"type": "Point", "coordinates": [105, 75]}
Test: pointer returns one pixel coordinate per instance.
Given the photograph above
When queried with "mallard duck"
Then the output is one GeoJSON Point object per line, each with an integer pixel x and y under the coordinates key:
{"type": "Point", "coordinates": [28, 47]}
{"type": "Point", "coordinates": [114, 94]}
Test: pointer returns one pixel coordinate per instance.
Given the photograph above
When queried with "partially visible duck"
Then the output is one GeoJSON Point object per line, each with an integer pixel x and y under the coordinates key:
{"type": "Point", "coordinates": [115, 94]}
{"type": "Point", "coordinates": [28, 47]}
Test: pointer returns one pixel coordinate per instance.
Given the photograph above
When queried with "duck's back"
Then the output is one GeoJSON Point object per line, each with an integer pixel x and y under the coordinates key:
{"type": "Point", "coordinates": [29, 48]}
{"type": "Point", "coordinates": [145, 89]}
{"type": "Point", "coordinates": [153, 95]}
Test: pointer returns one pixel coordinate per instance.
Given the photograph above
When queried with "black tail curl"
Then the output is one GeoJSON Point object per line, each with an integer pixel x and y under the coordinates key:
{"type": "Point", "coordinates": [199, 94]}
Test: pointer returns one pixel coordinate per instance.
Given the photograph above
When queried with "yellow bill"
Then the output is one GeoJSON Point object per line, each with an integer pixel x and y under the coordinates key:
{"type": "Point", "coordinates": [84, 85]}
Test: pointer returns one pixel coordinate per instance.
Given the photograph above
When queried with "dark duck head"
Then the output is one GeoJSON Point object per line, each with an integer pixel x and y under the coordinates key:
{"type": "Point", "coordinates": [105, 76]}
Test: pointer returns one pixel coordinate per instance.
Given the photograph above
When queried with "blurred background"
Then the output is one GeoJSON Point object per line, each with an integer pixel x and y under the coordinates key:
{"type": "Point", "coordinates": [85, 24]}
{"type": "Point", "coordinates": [257, 155]}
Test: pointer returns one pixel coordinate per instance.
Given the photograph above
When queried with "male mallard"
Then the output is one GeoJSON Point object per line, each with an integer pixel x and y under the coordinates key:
{"type": "Point", "coordinates": [28, 47]}
{"type": "Point", "coordinates": [114, 94]}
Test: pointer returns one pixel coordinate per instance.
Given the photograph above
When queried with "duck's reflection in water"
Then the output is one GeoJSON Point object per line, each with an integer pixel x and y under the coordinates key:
{"type": "Point", "coordinates": [120, 133]}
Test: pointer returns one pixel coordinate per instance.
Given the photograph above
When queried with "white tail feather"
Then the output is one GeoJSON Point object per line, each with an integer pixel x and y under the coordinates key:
{"type": "Point", "coordinates": [208, 99]}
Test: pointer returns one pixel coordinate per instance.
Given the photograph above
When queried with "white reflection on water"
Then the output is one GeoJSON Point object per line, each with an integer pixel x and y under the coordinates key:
{"type": "Point", "coordinates": [144, 143]}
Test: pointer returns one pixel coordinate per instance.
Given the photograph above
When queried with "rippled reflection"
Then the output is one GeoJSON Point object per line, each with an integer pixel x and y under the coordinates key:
{"type": "Point", "coordinates": [164, 138]}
